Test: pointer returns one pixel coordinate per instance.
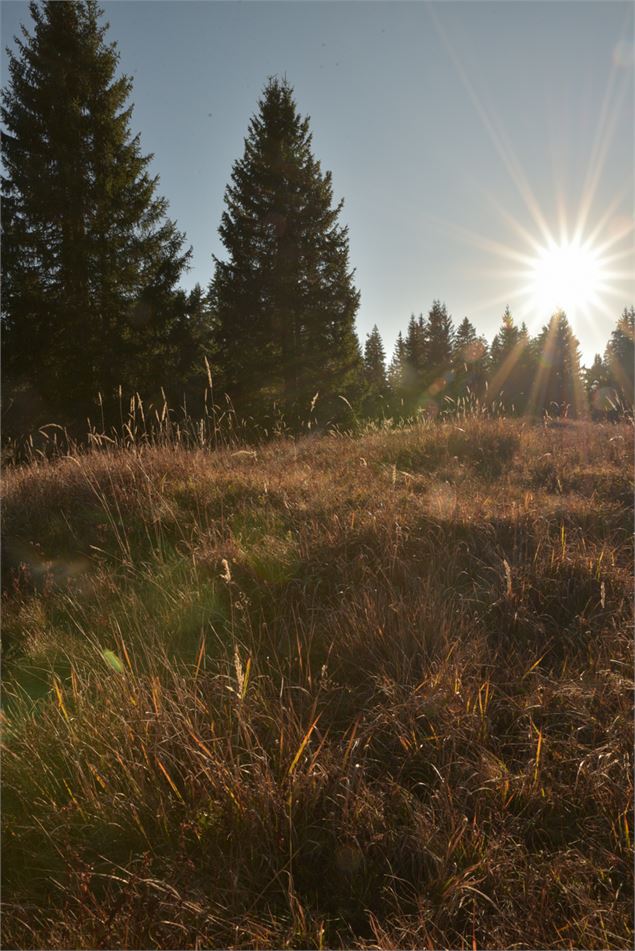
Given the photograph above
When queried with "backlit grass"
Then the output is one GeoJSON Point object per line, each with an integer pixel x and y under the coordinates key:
{"type": "Point", "coordinates": [337, 692]}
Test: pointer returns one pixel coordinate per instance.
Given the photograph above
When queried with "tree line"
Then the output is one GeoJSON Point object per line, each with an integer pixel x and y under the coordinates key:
{"type": "Point", "coordinates": [437, 366]}
{"type": "Point", "coordinates": [92, 310]}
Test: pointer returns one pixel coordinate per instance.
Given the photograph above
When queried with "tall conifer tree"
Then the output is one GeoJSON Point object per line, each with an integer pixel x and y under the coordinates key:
{"type": "Point", "coordinates": [558, 386]}
{"type": "Point", "coordinates": [464, 341]}
{"type": "Point", "coordinates": [601, 394]}
{"type": "Point", "coordinates": [414, 364]}
{"type": "Point", "coordinates": [396, 367]}
{"type": "Point", "coordinates": [283, 299]}
{"type": "Point", "coordinates": [512, 365]}
{"type": "Point", "coordinates": [375, 361]}
{"type": "Point", "coordinates": [376, 386]}
{"type": "Point", "coordinates": [438, 373]}
{"type": "Point", "coordinates": [505, 342]}
{"type": "Point", "coordinates": [620, 357]}
{"type": "Point", "coordinates": [469, 360]}
{"type": "Point", "coordinates": [440, 339]}
{"type": "Point", "coordinates": [90, 259]}
{"type": "Point", "coordinates": [191, 343]}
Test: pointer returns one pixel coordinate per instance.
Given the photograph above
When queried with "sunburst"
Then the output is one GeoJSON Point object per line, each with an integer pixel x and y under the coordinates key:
{"type": "Point", "coordinates": [568, 277]}
{"type": "Point", "coordinates": [562, 256]}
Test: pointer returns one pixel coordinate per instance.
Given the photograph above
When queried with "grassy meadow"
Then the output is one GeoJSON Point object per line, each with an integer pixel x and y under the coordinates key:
{"type": "Point", "coordinates": [366, 691]}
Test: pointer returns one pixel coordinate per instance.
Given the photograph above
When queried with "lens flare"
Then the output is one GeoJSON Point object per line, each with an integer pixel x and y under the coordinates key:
{"type": "Point", "coordinates": [565, 277]}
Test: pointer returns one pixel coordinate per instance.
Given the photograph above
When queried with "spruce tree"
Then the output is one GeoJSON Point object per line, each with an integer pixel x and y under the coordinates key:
{"type": "Point", "coordinates": [376, 387]}
{"type": "Point", "coordinates": [191, 343]}
{"type": "Point", "coordinates": [90, 259]}
{"type": "Point", "coordinates": [620, 357]}
{"type": "Point", "coordinates": [525, 369]}
{"type": "Point", "coordinates": [283, 300]}
{"type": "Point", "coordinates": [598, 374]}
{"type": "Point", "coordinates": [375, 361]}
{"type": "Point", "coordinates": [601, 394]}
{"type": "Point", "coordinates": [464, 342]}
{"type": "Point", "coordinates": [438, 353]}
{"type": "Point", "coordinates": [504, 343]}
{"type": "Point", "coordinates": [396, 367]}
{"type": "Point", "coordinates": [512, 365]}
{"type": "Point", "coordinates": [558, 387]}
{"type": "Point", "coordinates": [440, 338]}
{"type": "Point", "coordinates": [413, 370]}
{"type": "Point", "coordinates": [469, 361]}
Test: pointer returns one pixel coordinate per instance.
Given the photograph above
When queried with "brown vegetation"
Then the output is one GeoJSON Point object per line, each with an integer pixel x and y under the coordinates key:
{"type": "Point", "coordinates": [366, 692]}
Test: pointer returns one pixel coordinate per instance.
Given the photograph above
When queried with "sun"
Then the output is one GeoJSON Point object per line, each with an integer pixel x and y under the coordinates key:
{"type": "Point", "coordinates": [565, 277]}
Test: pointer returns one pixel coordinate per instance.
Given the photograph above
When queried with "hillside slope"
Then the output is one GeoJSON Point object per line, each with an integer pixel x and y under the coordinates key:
{"type": "Point", "coordinates": [370, 692]}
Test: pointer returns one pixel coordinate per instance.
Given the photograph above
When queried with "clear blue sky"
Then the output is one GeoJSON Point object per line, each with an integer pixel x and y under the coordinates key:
{"type": "Point", "coordinates": [457, 132]}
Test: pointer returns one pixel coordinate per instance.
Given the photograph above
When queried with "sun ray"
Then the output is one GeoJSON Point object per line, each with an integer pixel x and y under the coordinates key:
{"type": "Point", "coordinates": [508, 365]}
{"type": "Point", "coordinates": [584, 276]}
{"type": "Point", "coordinates": [579, 278]}
{"type": "Point", "coordinates": [579, 400]}
{"type": "Point", "coordinates": [610, 212]}
{"type": "Point", "coordinates": [572, 263]}
{"type": "Point", "coordinates": [607, 124]}
{"type": "Point", "coordinates": [539, 385]}
{"type": "Point", "coordinates": [523, 233]}
{"type": "Point", "coordinates": [491, 302]}
{"type": "Point", "coordinates": [620, 375]}
{"type": "Point", "coordinates": [613, 259]}
{"type": "Point", "coordinates": [479, 241]}
{"type": "Point", "coordinates": [497, 135]}
{"type": "Point", "coordinates": [626, 228]}
{"type": "Point", "coordinates": [564, 277]}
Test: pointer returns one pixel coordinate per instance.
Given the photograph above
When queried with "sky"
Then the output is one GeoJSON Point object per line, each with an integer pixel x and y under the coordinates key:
{"type": "Point", "coordinates": [484, 150]}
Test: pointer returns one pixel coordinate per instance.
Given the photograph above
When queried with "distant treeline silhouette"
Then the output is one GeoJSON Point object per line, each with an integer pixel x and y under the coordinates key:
{"type": "Point", "coordinates": [91, 307]}
{"type": "Point", "coordinates": [435, 366]}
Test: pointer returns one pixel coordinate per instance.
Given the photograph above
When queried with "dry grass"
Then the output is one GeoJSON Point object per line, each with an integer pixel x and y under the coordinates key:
{"type": "Point", "coordinates": [369, 692]}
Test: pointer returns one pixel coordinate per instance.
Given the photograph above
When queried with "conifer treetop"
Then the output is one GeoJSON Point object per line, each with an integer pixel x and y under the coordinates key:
{"type": "Point", "coordinates": [283, 296]}
{"type": "Point", "coordinates": [90, 259]}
